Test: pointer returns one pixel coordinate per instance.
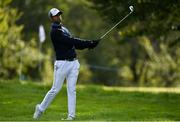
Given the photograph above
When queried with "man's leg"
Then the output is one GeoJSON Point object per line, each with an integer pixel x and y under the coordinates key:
{"type": "Point", "coordinates": [59, 76]}
{"type": "Point", "coordinates": [71, 88]}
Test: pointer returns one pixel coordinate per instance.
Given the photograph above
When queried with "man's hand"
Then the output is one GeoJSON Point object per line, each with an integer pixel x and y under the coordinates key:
{"type": "Point", "coordinates": [94, 43]}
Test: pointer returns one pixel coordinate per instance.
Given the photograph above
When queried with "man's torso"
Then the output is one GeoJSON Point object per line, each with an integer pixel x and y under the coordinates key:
{"type": "Point", "coordinates": [63, 50]}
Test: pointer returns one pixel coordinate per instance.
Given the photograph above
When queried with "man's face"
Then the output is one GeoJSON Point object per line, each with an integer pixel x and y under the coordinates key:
{"type": "Point", "coordinates": [57, 18]}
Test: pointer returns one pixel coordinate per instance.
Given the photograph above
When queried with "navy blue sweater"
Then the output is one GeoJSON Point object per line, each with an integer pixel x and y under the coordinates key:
{"type": "Point", "coordinates": [64, 44]}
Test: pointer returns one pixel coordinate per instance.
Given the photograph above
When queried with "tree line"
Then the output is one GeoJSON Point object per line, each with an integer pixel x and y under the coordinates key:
{"type": "Point", "coordinates": [142, 51]}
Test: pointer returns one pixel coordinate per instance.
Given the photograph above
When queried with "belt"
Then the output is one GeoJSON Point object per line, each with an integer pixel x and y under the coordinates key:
{"type": "Point", "coordinates": [69, 59]}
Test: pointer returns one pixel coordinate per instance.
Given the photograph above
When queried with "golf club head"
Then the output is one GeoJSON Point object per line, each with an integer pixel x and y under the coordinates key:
{"type": "Point", "coordinates": [131, 8]}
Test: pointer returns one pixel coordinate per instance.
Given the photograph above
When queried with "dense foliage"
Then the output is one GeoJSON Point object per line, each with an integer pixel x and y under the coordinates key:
{"type": "Point", "coordinates": [14, 50]}
{"type": "Point", "coordinates": [149, 37]}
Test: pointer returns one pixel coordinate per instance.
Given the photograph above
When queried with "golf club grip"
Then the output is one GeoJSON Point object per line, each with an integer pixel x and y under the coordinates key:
{"type": "Point", "coordinates": [115, 25]}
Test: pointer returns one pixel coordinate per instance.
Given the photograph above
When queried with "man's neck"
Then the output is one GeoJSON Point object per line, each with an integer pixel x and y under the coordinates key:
{"type": "Point", "coordinates": [58, 23]}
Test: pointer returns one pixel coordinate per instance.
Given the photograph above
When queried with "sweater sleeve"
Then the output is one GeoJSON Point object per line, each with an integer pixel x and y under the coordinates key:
{"type": "Point", "coordinates": [76, 42]}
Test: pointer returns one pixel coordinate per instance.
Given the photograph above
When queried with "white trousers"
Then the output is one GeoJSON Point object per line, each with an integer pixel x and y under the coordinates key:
{"type": "Point", "coordinates": [62, 70]}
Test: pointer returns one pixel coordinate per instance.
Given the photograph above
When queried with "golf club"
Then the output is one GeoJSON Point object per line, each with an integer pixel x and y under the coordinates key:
{"type": "Point", "coordinates": [131, 11]}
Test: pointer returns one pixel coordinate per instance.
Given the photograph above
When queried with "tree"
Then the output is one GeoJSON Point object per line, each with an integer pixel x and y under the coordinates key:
{"type": "Point", "coordinates": [153, 20]}
{"type": "Point", "coordinates": [15, 55]}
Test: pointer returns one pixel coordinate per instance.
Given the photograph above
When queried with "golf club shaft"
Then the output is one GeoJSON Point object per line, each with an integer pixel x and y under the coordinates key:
{"type": "Point", "coordinates": [115, 25]}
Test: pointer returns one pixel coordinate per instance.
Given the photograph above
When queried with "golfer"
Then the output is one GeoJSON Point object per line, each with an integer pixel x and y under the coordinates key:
{"type": "Point", "coordinates": [66, 65]}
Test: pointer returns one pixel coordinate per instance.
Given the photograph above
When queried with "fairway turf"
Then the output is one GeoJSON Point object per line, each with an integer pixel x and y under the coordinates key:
{"type": "Point", "coordinates": [94, 103]}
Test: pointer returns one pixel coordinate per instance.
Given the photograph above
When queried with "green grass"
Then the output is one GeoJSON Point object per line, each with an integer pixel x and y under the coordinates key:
{"type": "Point", "coordinates": [17, 102]}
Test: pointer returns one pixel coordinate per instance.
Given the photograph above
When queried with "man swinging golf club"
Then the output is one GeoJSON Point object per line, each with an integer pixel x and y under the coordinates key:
{"type": "Point", "coordinates": [66, 64]}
